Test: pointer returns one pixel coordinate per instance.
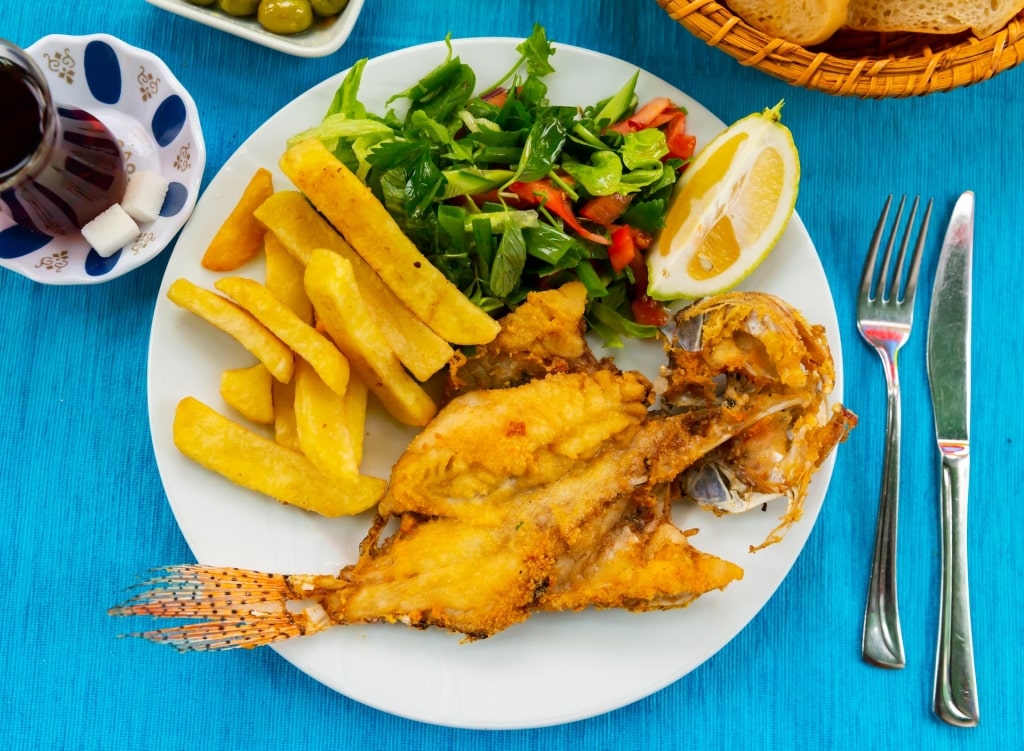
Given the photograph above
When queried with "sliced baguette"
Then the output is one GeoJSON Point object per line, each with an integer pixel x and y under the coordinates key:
{"type": "Point", "coordinates": [805, 22]}
{"type": "Point", "coordinates": [982, 17]}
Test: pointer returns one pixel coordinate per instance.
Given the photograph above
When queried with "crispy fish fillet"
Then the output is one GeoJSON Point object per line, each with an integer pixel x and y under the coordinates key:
{"type": "Point", "coordinates": [545, 483]}
{"type": "Point", "coordinates": [501, 507]}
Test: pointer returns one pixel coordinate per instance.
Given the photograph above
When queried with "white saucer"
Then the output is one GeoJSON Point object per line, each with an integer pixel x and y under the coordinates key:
{"type": "Point", "coordinates": [135, 95]}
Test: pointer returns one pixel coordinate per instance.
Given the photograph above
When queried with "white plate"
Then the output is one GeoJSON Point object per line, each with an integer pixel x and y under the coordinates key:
{"type": "Point", "coordinates": [148, 110]}
{"type": "Point", "coordinates": [556, 667]}
{"type": "Point", "coordinates": [324, 37]}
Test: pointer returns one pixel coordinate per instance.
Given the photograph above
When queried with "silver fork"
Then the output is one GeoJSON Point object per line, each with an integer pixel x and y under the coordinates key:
{"type": "Point", "coordinates": [885, 315]}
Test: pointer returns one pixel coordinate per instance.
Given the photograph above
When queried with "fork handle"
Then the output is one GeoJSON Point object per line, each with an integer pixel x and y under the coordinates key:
{"type": "Point", "coordinates": [882, 640]}
{"type": "Point", "coordinates": [956, 692]}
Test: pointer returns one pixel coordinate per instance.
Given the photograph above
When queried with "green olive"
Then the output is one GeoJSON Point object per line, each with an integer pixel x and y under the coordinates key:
{"type": "Point", "coordinates": [285, 16]}
{"type": "Point", "coordinates": [328, 7]}
{"type": "Point", "coordinates": [240, 8]}
{"type": "Point", "coordinates": [202, 2]}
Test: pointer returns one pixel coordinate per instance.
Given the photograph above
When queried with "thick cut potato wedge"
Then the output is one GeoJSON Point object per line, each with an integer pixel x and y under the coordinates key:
{"type": "Point", "coordinates": [290, 219]}
{"type": "Point", "coordinates": [356, 397]}
{"type": "Point", "coordinates": [320, 424]}
{"type": "Point", "coordinates": [252, 461]}
{"type": "Point", "coordinates": [236, 322]}
{"type": "Point", "coordinates": [331, 286]}
{"type": "Point", "coordinates": [284, 278]}
{"type": "Point", "coordinates": [250, 392]}
{"type": "Point", "coordinates": [364, 222]}
{"type": "Point", "coordinates": [240, 238]}
{"type": "Point", "coordinates": [285, 431]}
{"type": "Point", "coordinates": [304, 340]}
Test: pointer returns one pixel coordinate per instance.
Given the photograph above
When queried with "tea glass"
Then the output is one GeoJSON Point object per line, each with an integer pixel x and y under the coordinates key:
{"type": "Point", "coordinates": [60, 166]}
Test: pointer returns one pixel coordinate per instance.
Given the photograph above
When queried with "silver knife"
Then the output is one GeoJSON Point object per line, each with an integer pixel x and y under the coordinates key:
{"type": "Point", "coordinates": [949, 375]}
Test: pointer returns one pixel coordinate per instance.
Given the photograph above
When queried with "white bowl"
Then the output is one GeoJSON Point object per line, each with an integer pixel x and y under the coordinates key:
{"type": "Point", "coordinates": [136, 96]}
{"type": "Point", "coordinates": [323, 38]}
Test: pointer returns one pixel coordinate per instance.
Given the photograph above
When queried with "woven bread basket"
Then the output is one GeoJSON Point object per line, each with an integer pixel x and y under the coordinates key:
{"type": "Point", "coordinates": [862, 64]}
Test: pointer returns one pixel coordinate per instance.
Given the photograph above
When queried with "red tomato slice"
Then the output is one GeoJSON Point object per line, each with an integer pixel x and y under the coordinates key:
{"type": "Point", "coordinates": [680, 143]}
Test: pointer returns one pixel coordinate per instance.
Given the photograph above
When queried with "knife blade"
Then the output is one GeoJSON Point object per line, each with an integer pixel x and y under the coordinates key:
{"type": "Point", "coordinates": [955, 697]}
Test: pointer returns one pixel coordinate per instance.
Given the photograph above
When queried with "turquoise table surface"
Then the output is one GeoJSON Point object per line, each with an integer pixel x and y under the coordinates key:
{"type": "Point", "coordinates": [83, 511]}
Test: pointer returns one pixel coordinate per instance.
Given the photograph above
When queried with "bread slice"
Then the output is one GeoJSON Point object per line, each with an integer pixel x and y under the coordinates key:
{"type": "Point", "coordinates": [982, 17]}
{"type": "Point", "coordinates": [805, 22]}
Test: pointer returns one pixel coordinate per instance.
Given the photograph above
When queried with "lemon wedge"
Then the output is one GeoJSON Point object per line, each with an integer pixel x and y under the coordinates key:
{"type": "Point", "coordinates": [731, 206]}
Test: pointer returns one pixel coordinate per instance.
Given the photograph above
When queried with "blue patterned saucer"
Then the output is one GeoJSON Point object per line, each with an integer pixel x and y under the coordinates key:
{"type": "Point", "coordinates": [138, 98]}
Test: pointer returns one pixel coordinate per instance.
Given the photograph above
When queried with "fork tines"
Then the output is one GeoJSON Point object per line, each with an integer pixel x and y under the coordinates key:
{"type": "Point", "coordinates": [888, 289]}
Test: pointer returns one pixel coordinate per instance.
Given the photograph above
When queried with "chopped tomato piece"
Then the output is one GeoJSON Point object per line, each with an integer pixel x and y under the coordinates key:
{"type": "Point", "coordinates": [544, 192]}
{"type": "Point", "coordinates": [605, 210]}
{"type": "Point", "coordinates": [680, 143]}
{"type": "Point", "coordinates": [622, 251]}
{"type": "Point", "coordinates": [649, 312]}
{"type": "Point", "coordinates": [646, 310]}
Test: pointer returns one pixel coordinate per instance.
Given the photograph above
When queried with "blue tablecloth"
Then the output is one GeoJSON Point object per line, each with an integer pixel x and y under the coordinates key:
{"type": "Point", "coordinates": [83, 511]}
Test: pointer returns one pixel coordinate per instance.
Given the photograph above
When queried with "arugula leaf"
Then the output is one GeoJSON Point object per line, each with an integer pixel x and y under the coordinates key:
{"type": "Point", "coordinates": [532, 92]}
{"type": "Point", "coordinates": [537, 51]}
{"type": "Point", "coordinates": [552, 246]}
{"type": "Point", "coordinates": [421, 180]}
{"type": "Point", "coordinates": [396, 154]}
{"type": "Point", "coordinates": [443, 104]}
{"type": "Point", "coordinates": [541, 151]}
{"type": "Point", "coordinates": [424, 182]}
{"type": "Point", "coordinates": [509, 261]}
{"type": "Point", "coordinates": [646, 215]}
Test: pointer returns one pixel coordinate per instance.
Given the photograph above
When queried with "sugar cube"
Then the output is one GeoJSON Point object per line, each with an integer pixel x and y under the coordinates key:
{"type": "Point", "coordinates": [111, 230]}
{"type": "Point", "coordinates": [144, 195]}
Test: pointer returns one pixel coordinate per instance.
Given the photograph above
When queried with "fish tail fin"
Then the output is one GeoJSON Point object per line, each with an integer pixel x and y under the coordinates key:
{"type": "Point", "coordinates": [238, 608]}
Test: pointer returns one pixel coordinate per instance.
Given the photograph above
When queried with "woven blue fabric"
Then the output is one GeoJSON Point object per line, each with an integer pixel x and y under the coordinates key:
{"type": "Point", "coordinates": [83, 513]}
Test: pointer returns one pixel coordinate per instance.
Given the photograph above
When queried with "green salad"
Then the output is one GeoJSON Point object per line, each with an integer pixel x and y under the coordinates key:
{"type": "Point", "coordinates": [507, 193]}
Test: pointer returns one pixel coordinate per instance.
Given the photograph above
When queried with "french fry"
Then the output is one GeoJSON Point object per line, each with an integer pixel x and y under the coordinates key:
{"type": "Point", "coordinates": [304, 340]}
{"type": "Point", "coordinates": [240, 238]}
{"type": "Point", "coordinates": [284, 278]}
{"type": "Point", "coordinates": [236, 322]}
{"type": "Point", "coordinates": [257, 463]}
{"type": "Point", "coordinates": [331, 286]}
{"type": "Point", "coordinates": [249, 391]}
{"type": "Point", "coordinates": [320, 424]}
{"type": "Point", "coordinates": [285, 431]}
{"type": "Point", "coordinates": [290, 219]}
{"type": "Point", "coordinates": [355, 414]}
{"type": "Point", "coordinates": [366, 224]}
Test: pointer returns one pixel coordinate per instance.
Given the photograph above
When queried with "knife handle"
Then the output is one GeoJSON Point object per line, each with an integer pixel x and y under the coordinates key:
{"type": "Point", "coordinates": [956, 692]}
